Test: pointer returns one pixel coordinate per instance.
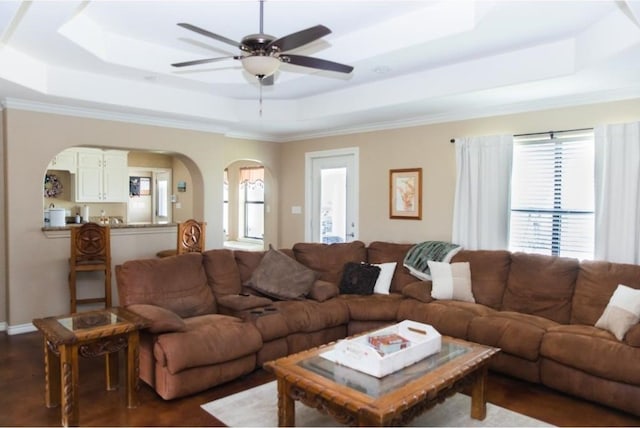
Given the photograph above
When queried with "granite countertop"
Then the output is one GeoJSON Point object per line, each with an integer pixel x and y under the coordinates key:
{"type": "Point", "coordinates": [116, 226]}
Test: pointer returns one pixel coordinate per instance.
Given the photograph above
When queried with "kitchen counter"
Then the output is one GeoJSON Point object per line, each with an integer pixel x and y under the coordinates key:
{"type": "Point", "coordinates": [116, 229]}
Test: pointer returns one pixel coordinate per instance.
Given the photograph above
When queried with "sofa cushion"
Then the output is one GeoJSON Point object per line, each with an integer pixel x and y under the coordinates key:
{"type": "Point", "coordinates": [419, 290]}
{"type": "Point", "coordinates": [596, 282]}
{"type": "Point", "coordinates": [323, 290]}
{"type": "Point", "coordinates": [632, 338]}
{"type": "Point", "coordinates": [307, 316]}
{"type": "Point", "coordinates": [176, 283]}
{"type": "Point", "coordinates": [448, 320]}
{"type": "Point", "coordinates": [515, 333]}
{"type": "Point", "coordinates": [162, 320]}
{"type": "Point", "coordinates": [489, 273]}
{"type": "Point", "coordinates": [208, 339]}
{"type": "Point", "coordinates": [622, 312]}
{"type": "Point", "coordinates": [376, 307]}
{"type": "Point", "coordinates": [282, 277]}
{"type": "Point", "coordinates": [222, 271]}
{"type": "Point", "coordinates": [329, 259]}
{"type": "Point", "coordinates": [592, 350]}
{"type": "Point", "coordinates": [384, 252]}
{"type": "Point", "coordinates": [541, 285]}
{"type": "Point", "coordinates": [242, 302]}
{"type": "Point", "coordinates": [451, 281]}
{"type": "Point", "coordinates": [247, 262]}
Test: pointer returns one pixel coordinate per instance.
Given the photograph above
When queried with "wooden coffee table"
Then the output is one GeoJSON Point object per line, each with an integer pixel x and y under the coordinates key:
{"type": "Point", "coordinates": [355, 398]}
{"type": "Point", "coordinates": [88, 334]}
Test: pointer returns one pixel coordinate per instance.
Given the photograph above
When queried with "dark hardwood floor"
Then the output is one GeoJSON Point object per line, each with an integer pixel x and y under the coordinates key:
{"type": "Point", "coordinates": [22, 396]}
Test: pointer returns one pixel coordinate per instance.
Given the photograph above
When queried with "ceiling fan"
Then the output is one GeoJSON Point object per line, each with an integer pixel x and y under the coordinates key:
{"type": "Point", "coordinates": [262, 54]}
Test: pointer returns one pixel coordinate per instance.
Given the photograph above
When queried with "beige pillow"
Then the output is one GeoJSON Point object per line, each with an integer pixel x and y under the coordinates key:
{"type": "Point", "coordinates": [383, 283]}
{"type": "Point", "coordinates": [281, 277]}
{"type": "Point", "coordinates": [451, 281]}
{"type": "Point", "coordinates": [622, 311]}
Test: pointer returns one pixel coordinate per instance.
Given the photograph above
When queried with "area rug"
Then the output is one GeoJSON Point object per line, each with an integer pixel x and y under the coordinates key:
{"type": "Point", "coordinates": [257, 407]}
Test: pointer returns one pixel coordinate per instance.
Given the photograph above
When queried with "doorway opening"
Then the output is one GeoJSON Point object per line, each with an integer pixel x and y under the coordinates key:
{"type": "Point", "coordinates": [150, 196]}
{"type": "Point", "coordinates": [331, 201]}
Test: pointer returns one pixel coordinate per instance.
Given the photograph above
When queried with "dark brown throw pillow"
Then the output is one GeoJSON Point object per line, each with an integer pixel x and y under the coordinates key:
{"type": "Point", "coordinates": [281, 277]}
{"type": "Point", "coordinates": [359, 278]}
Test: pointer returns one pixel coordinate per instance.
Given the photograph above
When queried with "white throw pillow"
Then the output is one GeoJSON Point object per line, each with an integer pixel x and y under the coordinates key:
{"type": "Point", "coordinates": [383, 283]}
{"type": "Point", "coordinates": [451, 281]}
{"type": "Point", "coordinates": [622, 311]}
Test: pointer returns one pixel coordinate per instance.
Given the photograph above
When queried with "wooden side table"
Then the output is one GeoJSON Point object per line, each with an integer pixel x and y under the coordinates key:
{"type": "Point", "coordinates": [88, 334]}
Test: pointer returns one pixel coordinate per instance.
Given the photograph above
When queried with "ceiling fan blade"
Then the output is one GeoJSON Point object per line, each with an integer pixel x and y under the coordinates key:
{"type": "Point", "coordinates": [203, 61]}
{"type": "Point", "coordinates": [267, 81]}
{"type": "Point", "coordinates": [300, 38]}
{"type": "Point", "coordinates": [210, 34]}
{"type": "Point", "coordinates": [322, 64]}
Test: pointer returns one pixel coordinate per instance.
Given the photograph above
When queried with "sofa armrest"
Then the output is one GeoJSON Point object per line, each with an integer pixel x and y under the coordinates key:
{"type": "Point", "coordinates": [241, 302]}
{"type": "Point", "coordinates": [323, 290]}
{"type": "Point", "coordinates": [419, 290]}
{"type": "Point", "coordinates": [162, 320]}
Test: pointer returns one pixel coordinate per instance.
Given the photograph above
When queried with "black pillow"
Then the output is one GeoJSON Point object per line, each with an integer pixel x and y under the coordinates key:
{"type": "Point", "coordinates": [359, 278]}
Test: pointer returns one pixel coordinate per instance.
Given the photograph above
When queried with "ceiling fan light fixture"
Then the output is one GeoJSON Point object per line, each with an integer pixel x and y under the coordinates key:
{"type": "Point", "coordinates": [260, 65]}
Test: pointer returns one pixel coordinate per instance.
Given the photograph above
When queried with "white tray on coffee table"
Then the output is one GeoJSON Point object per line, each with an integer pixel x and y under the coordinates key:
{"type": "Point", "coordinates": [358, 354]}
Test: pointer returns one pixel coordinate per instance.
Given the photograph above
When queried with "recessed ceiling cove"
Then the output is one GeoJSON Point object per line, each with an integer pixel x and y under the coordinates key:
{"type": "Point", "coordinates": [413, 62]}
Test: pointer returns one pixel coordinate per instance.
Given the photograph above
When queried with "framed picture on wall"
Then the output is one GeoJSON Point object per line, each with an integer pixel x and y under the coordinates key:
{"type": "Point", "coordinates": [405, 193]}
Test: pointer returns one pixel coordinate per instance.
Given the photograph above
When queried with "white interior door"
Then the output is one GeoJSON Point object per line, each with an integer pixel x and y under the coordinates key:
{"type": "Point", "coordinates": [331, 205]}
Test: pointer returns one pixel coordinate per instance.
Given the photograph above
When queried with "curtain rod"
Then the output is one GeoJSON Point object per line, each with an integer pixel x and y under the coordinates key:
{"type": "Point", "coordinates": [553, 132]}
{"type": "Point", "coordinates": [453, 140]}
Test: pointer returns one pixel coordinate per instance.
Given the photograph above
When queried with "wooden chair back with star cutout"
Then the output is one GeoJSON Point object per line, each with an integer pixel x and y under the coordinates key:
{"type": "Point", "coordinates": [90, 251]}
{"type": "Point", "coordinates": [191, 236]}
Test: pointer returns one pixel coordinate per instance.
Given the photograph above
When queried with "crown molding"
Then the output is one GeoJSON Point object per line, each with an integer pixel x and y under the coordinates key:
{"type": "Point", "coordinates": [475, 113]}
{"type": "Point", "coordinates": [96, 113]}
{"type": "Point", "coordinates": [481, 112]}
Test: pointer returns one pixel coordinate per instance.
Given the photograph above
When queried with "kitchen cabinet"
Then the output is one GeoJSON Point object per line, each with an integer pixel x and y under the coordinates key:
{"type": "Point", "coordinates": [102, 176]}
{"type": "Point", "coordinates": [66, 160]}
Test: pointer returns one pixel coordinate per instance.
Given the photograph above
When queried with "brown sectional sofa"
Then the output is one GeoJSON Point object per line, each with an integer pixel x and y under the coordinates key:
{"type": "Point", "coordinates": [540, 310]}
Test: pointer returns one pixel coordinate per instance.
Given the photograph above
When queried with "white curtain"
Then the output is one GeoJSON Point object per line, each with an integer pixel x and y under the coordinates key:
{"type": "Point", "coordinates": [481, 206]}
{"type": "Point", "coordinates": [617, 187]}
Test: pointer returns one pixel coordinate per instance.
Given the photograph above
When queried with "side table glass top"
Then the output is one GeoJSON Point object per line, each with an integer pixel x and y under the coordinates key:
{"type": "Point", "coordinates": [89, 320]}
{"type": "Point", "coordinates": [377, 387]}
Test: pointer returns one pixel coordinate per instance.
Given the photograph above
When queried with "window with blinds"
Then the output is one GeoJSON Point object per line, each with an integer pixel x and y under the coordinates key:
{"type": "Point", "coordinates": [552, 194]}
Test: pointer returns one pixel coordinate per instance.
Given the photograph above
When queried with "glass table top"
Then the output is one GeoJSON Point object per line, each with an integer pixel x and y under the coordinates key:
{"type": "Point", "coordinates": [377, 387]}
{"type": "Point", "coordinates": [89, 320]}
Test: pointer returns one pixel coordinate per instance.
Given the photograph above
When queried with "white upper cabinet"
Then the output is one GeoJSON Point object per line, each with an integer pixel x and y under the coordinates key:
{"type": "Point", "coordinates": [102, 176]}
{"type": "Point", "coordinates": [66, 160]}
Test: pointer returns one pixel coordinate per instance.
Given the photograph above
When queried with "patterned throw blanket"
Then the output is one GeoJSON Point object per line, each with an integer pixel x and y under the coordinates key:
{"type": "Point", "coordinates": [418, 256]}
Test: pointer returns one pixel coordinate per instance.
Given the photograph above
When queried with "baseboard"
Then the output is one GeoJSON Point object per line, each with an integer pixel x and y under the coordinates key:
{"type": "Point", "coordinates": [20, 329]}
{"type": "Point", "coordinates": [3, 326]}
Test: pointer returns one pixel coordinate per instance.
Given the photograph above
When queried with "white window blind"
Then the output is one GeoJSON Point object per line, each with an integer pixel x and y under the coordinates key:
{"type": "Point", "coordinates": [552, 194]}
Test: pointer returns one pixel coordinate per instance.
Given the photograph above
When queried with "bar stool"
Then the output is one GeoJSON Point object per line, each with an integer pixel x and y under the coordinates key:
{"type": "Point", "coordinates": [90, 251]}
{"type": "Point", "coordinates": [191, 238]}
